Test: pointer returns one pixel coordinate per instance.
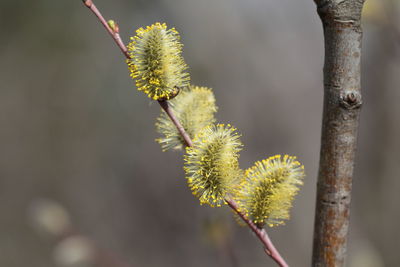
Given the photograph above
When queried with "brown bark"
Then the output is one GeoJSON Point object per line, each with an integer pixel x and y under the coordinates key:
{"type": "Point", "coordinates": [341, 21]}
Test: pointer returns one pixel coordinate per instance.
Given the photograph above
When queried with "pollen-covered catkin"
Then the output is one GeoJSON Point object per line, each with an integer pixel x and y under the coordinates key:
{"type": "Point", "coordinates": [156, 62]}
{"type": "Point", "coordinates": [266, 193]}
{"type": "Point", "coordinates": [211, 164]}
{"type": "Point", "coordinates": [194, 108]}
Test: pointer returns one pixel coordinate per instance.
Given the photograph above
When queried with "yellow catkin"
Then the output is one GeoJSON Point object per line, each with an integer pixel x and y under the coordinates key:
{"type": "Point", "coordinates": [268, 188]}
{"type": "Point", "coordinates": [211, 164]}
{"type": "Point", "coordinates": [194, 108]}
{"type": "Point", "coordinates": [156, 62]}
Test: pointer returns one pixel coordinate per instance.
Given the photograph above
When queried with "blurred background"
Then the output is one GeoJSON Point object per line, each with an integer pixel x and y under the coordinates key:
{"type": "Point", "coordinates": [80, 171]}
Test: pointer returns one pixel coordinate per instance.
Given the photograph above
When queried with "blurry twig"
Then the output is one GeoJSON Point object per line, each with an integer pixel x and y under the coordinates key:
{"type": "Point", "coordinates": [391, 12]}
{"type": "Point", "coordinates": [72, 247]}
{"type": "Point", "coordinates": [259, 232]}
{"type": "Point", "coordinates": [218, 232]}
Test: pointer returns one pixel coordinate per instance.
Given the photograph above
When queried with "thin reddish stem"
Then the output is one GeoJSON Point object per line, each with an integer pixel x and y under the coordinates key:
{"type": "Point", "coordinates": [114, 34]}
{"type": "Point", "coordinates": [178, 125]}
{"type": "Point", "coordinates": [261, 234]}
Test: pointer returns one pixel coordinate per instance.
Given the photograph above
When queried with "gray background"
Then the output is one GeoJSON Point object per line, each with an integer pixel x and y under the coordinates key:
{"type": "Point", "coordinates": [74, 129]}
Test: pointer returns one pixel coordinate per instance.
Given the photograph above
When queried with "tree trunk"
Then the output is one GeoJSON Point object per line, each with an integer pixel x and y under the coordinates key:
{"type": "Point", "coordinates": [341, 21]}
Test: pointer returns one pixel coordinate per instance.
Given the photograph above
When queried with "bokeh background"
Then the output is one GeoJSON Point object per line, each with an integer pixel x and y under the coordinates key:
{"type": "Point", "coordinates": [74, 130]}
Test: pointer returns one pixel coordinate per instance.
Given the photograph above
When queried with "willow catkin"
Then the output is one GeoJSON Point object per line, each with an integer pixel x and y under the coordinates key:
{"type": "Point", "coordinates": [194, 108]}
{"type": "Point", "coordinates": [156, 62]}
{"type": "Point", "coordinates": [266, 193]}
{"type": "Point", "coordinates": [211, 164]}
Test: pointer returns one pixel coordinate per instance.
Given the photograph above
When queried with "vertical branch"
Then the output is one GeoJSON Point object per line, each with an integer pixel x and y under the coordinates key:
{"type": "Point", "coordinates": [342, 102]}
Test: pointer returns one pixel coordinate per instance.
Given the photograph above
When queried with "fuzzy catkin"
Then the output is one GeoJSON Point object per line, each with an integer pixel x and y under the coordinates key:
{"type": "Point", "coordinates": [194, 108]}
{"type": "Point", "coordinates": [211, 164]}
{"type": "Point", "coordinates": [266, 193]}
{"type": "Point", "coordinates": [156, 62]}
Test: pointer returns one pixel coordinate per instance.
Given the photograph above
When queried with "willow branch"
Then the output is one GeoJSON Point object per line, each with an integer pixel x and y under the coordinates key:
{"type": "Point", "coordinates": [261, 234]}
{"type": "Point", "coordinates": [341, 21]}
{"type": "Point", "coordinates": [113, 32]}
{"type": "Point", "coordinates": [164, 105]}
{"type": "Point", "coordinates": [118, 41]}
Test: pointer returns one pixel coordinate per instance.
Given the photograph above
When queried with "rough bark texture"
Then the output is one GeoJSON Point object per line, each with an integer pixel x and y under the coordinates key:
{"type": "Point", "coordinates": [342, 102]}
